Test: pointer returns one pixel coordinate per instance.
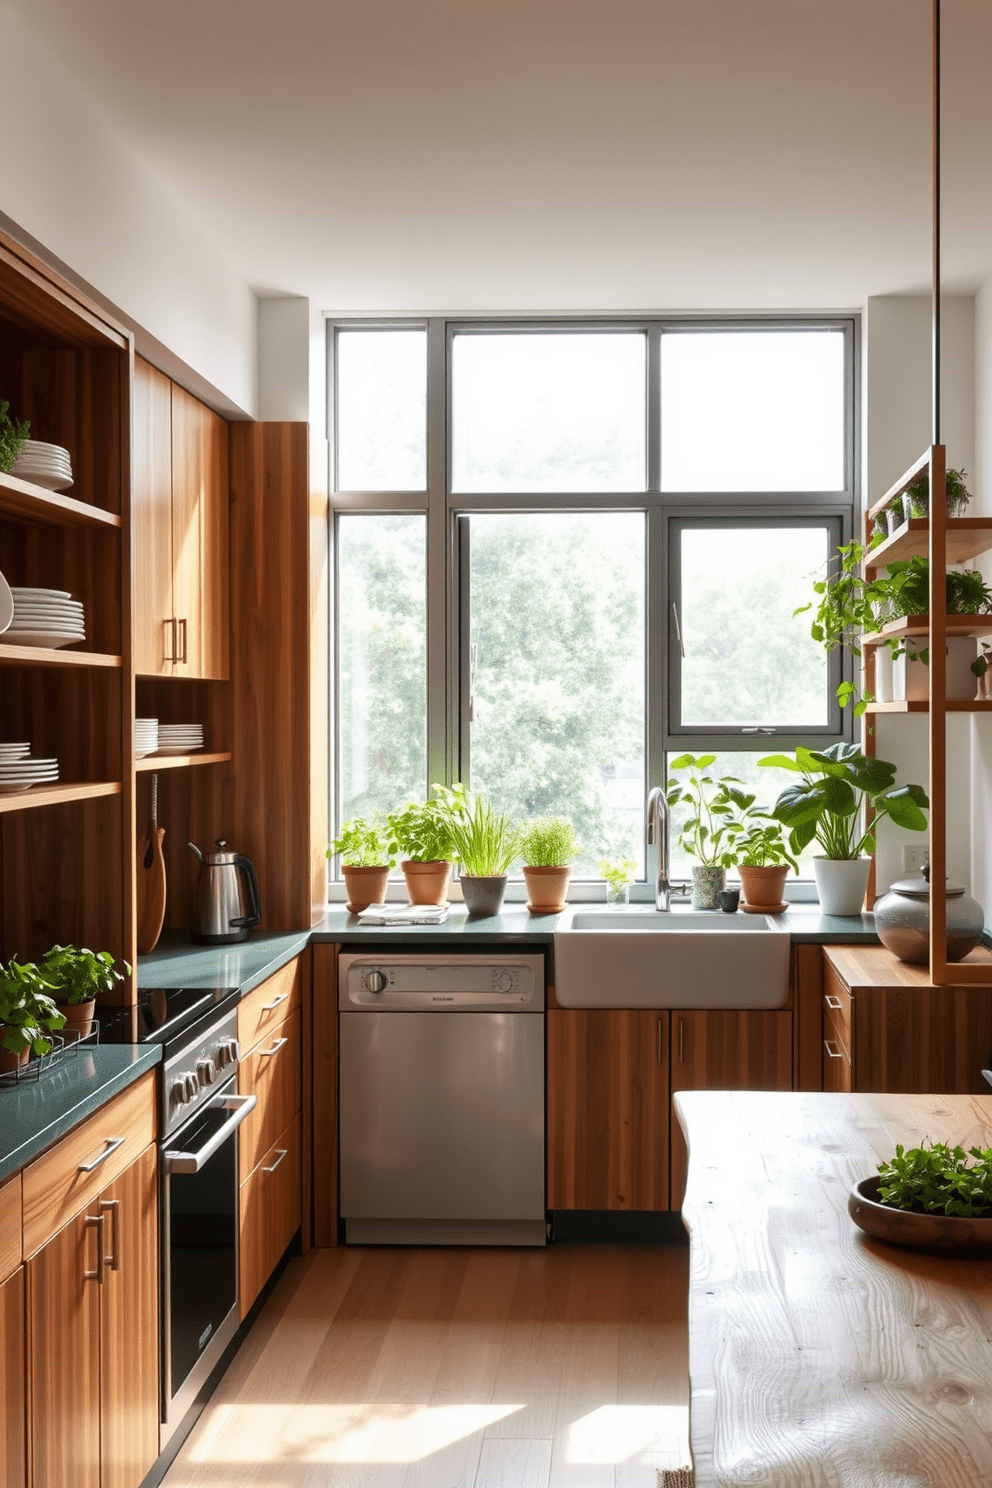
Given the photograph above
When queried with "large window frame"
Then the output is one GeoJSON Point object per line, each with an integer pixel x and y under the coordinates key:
{"type": "Point", "coordinates": [448, 660]}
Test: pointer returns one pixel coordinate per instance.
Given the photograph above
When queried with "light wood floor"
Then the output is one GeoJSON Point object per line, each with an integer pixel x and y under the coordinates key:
{"type": "Point", "coordinates": [563, 1367]}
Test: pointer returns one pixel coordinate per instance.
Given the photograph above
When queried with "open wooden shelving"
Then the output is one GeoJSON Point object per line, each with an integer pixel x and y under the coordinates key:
{"type": "Point", "coordinates": [45, 656]}
{"type": "Point", "coordinates": [59, 795]}
{"type": "Point", "coordinates": [23, 501]}
{"type": "Point", "coordinates": [919, 625]}
{"type": "Point", "coordinates": [920, 705]}
{"type": "Point", "coordinates": [158, 762]}
{"type": "Point", "coordinates": [967, 538]}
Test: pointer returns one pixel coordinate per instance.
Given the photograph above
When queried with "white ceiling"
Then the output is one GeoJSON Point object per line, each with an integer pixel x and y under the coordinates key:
{"type": "Point", "coordinates": [456, 155]}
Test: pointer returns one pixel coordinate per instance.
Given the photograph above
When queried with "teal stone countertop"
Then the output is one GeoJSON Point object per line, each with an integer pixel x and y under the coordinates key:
{"type": "Point", "coordinates": [177, 962]}
{"type": "Point", "coordinates": [36, 1113]}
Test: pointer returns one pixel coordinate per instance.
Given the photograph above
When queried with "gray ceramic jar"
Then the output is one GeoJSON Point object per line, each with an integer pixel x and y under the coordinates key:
{"type": "Point", "coordinates": [902, 919]}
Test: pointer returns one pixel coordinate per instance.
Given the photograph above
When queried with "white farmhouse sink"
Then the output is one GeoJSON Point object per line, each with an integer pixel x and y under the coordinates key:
{"type": "Point", "coordinates": [639, 958]}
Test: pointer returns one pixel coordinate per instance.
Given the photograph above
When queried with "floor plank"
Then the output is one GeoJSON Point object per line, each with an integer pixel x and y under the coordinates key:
{"type": "Point", "coordinates": [455, 1368]}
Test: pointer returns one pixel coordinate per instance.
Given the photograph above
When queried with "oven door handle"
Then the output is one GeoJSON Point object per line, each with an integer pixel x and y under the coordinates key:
{"type": "Point", "coordinates": [191, 1162]}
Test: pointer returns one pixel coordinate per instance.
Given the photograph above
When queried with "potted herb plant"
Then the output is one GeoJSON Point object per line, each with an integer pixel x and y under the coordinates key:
{"type": "Point", "coordinates": [763, 862]}
{"type": "Point", "coordinates": [27, 1013]}
{"type": "Point", "coordinates": [715, 812]}
{"type": "Point", "coordinates": [928, 1196]}
{"type": "Point", "coordinates": [365, 860]}
{"type": "Point", "coordinates": [78, 977]}
{"type": "Point", "coordinates": [916, 497]}
{"type": "Point", "coordinates": [421, 831]}
{"type": "Point", "coordinates": [618, 879]}
{"type": "Point", "coordinates": [485, 842]}
{"type": "Point", "coordinates": [837, 784]}
{"type": "Point", "coordinates": [12, 437]}
{"type": "Point", "coordinates": [548, 846]}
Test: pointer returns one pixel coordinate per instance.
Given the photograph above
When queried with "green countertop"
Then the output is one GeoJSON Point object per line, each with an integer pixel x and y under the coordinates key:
{"type": "Point", "coordinates": [177, 962]}
{"type": "Point", "coordinates": [36, 1113]}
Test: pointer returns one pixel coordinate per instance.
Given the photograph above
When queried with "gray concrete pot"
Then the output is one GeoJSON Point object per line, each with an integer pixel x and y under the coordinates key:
{"type": "Point", "coordinates": [483, 896]}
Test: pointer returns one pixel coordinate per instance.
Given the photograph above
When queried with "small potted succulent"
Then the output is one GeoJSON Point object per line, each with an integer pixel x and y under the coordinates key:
{"type": "Point", "coordinates": [715, 814]}
{"type": "Point", "coordinates": [365, 860]}
{"type": "Point", "coordinates": [485, 842]}
{"type": "Point", "coordinates": [916, 497]}
{"type": "Point", "coordinates": [618, 878]}
{"type": "Point", "coordinates": [27, 1013]}
{"type": "Point", "coordinates": [421, 831]}
{"type": "Point", "coordinates": [78, 977]}
{"type": "Point", "coordinates": [548, 846]}
{"type": "Point", "coordinates": [763, 862]}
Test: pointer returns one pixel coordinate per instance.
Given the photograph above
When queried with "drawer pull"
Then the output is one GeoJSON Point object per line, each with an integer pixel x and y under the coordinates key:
{"type": "Point", "coordinates": [268, 1006]}
{"type": "Point", "coordinates": [832, 1051]}
{"type": "Point", "coordinates": [95, 1222]}
{"type": "Point", "coordinates": [112, 1145]}
{"type": "Point", "coordinates": [184, 657]}
{"type": "Point", "coordinates": [267, 1053]}
{"type": "Point", "coordinates": [273, 1166]}
{"type": "Point", "coordinates": [833, 1002]}
{"type": "Point", "coordinates": [114, 1258]}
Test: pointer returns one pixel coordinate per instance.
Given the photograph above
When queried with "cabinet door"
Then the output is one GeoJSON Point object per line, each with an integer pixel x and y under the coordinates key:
{"type": "Point", "coordinates": [63, 1314]}
{"type": "Point", "coordinates": [726, 1051]}
{"type": "Point", "coordinates": [608, 1109]}
{"type": "Point", "coordinates": [151, 504]}
{"type": "Point", "coordinates": [201, 562]}
{"type": "Point", "coordinates": [129, 1335]}
{"type": "Point", "coordinates": [271, 1213]}
{"type": "Point", "coordinates": [13, 1455]}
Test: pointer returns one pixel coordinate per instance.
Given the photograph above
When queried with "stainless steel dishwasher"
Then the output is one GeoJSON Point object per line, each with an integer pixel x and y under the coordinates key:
{"type": "Point", "coordinates": [442, 1099]}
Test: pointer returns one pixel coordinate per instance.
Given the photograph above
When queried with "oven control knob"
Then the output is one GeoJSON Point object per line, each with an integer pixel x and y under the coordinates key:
{"type": "Point", "coordinates": [179, 1091]}
{"type": "Point", "coordinates": [192, 1086]}
{"type": "Point", "coordinates": [205, 1071]}
{"type": "Point", "coordinates": [227, 1052]}
{"type": "Point", "coordinates": [376, 981]}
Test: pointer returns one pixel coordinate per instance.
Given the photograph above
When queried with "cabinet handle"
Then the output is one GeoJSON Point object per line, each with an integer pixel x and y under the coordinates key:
{"type": "Point", "coordinates": [832, 1051]}
{"type": "Point", "coordinates": [278, 1160]}
{"type": "Point", "coordinates": [268, 1006]}
{"type": "Point", "coordinates": [95, 1222]}
{"type": "Point", "coordinates": [267, 1053]}
{"type": "Point", "coordinates": [112, 1145]}
{"type": "Point", "coordinates": [170, 655]}
{"type": "Point", "coordinates": [182, 625]}
{"type": "Point", "coordinates": [681, 1041]}
{"type": "Point", "coordinates": [833, 1002]}
{"type": "Point", "coordinates": [114, 1206]}
{"type": "Point", "coordinates": [659, 1040]}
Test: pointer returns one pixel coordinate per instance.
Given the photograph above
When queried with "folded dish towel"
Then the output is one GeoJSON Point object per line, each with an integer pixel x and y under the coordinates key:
{"type": "Point", "coordinates": [404, 914]}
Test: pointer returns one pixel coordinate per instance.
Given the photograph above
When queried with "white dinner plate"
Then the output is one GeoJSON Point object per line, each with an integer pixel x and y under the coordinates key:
{"type": "Point", "coordinates": [52, 638]}
{"type": "Point", "coordinates": [6, 604]}
{"type": "Point", "coordinates": [45, 593]}
{"type": "Point", "coordinates": [46, 481]}
{"type": "Point", "coordinates": [13, 790]}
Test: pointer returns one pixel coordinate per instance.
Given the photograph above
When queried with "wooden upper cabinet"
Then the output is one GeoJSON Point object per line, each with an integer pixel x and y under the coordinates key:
{"type": "Point", "coordinates": [180, 500]}
{"type": "Point", "coordinates": [726, 1051]}
{"type": "Point", "coordinates": [607, 1109]}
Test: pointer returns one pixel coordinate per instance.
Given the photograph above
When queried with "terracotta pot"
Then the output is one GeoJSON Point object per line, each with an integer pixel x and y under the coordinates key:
{"type": "Point", "coordinates": [546, 889]}
{"type": "Point", "coordinates": [365, 886]}
{"type": "Point", "coordinates": [426, 883]}
{"type": "Point", "coordinates": [763, 887]}
{"type": "Point", "coordinates": [483, 895]}
{"type": "Point", "coordinates": [10, 1062]}
{"type": "Point", "coordinates": [78, 1018]}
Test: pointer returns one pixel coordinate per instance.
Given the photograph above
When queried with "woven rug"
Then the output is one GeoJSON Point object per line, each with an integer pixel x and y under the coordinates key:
{"type": "Point", "coordinates": [676, 1477]}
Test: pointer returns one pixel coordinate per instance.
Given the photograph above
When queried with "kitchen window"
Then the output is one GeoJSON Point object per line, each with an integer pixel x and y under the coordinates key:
{"type": "Point", "coordinates": [566, 551]}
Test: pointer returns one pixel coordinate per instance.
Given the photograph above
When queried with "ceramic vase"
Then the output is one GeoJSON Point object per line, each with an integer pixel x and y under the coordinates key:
{"type": "Point", "coordinates": [707, 882]}
{"type": "Point", "coordinates": [841, 884]}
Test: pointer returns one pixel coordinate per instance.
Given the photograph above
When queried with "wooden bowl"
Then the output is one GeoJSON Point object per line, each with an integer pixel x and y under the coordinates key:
{"type": "Point", "coordinates": [951, 1232]}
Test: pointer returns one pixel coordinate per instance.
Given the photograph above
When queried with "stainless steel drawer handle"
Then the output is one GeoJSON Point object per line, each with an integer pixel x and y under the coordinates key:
{"type": "Point", "coordinates": [113, 1260]}
{"type": "Point", "coordinates": [267, 1053]}
{"type": "Point", "coordinates": [832, 1051]}
{"type": "Point", "coordinates": [192, 1162]}
{"type": "Point", "coordinates": [112, 1145]}
{"type": "Point", "coordinates": [833, 1002]}
{"type": "Point", "coordinates": [95, 1222]}
{"type": "Point", "coordinates": [268, 1006]}
{"type": "Point", "coordinates": [273, 1166]}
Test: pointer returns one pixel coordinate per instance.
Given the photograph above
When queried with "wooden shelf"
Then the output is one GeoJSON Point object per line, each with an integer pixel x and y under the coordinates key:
{"type": "Point", "coordinates": [967, 537]}
{"type": "Point", "coordinates": [951, 705]}
{"type": "Point", "coordinates": [919, 625]}
{"type": "Point", "coordinates": [58, 795]}
{"type": "Point", "coordinates": [26, 502]}
{"type": "Point", "coordinates": [48, 657]}
{"type": "Point", "coordinates": [180, 761]}
{"type": "Point", "coordinates": [920, 467]}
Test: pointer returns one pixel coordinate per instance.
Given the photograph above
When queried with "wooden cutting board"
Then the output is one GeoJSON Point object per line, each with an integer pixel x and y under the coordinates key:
{"type": "Point", "coordinates": [150, 881]}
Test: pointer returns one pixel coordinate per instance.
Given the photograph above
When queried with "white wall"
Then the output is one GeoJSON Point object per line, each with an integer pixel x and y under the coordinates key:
{"type": "Point", "coordinates": [897, 419]}
{"type": "Point", "coordinates": [70, 183]}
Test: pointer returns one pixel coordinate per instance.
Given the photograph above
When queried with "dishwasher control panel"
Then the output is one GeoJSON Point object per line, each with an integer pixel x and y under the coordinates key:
{"type": "Point", "coordinates": [442, 983]}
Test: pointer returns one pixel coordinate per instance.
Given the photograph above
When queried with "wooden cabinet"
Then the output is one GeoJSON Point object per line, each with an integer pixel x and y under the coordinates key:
{"type": "Point", "coordinates": [180, 501]}
{"type": "Point", "coordinates": [270, 1139]}
{"type": "Point", "coordinates": [608, 1109]}
{"type": "Point", "coordinates": [886, 1028]}
{"type": "Point", "coordinates": [739, 1050]}
{"type": "Point", "coordinates": [13, 1441]}
{"type": "Point", "coordinates": [92, 1311]}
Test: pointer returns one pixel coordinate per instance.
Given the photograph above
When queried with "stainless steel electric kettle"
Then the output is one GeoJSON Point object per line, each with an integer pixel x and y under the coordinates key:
{"type": "Point", "coordinates": [220, 917]}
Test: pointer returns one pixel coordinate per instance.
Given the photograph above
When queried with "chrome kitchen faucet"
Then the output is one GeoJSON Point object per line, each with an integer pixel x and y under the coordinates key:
{"type": "Point", "coordinates": [657, 832]}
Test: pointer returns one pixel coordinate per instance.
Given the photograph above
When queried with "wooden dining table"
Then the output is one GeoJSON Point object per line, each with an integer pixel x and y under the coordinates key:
{"type": "Point", "coordinates": [820, 1358]}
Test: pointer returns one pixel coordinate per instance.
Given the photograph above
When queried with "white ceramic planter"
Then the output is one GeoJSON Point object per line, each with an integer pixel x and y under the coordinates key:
{"type": "Point", "coordinates": [841, 886]}
{"type": "Point", "coordinates": [911, 679]}
{"type": "Point", "coordinates": [883, 674]}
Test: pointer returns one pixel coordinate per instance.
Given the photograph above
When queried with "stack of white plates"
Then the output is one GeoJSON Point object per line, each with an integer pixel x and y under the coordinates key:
{"type": "Point", "coordinates": [145, 736]}
{"type": "Point", "coordinates": [179, 738]}
{"type": "Point", "coordinates": [45, 617]}
{"type": "Point", "coordinates": [45, 465]}
{"type": "Point", "coordinates": [19, 772]}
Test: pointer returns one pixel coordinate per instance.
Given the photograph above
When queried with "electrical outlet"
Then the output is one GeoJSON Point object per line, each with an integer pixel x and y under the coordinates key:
{"type": "Point", "coordinates": [914, 857]}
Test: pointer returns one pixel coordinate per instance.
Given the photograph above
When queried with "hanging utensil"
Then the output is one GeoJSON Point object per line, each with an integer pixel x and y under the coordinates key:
{"type": "Point", "coordinates": [150, 882]}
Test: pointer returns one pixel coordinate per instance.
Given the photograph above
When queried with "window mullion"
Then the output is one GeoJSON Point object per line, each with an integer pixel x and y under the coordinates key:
{"type": "Point", "coordinates": [442, 678]}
